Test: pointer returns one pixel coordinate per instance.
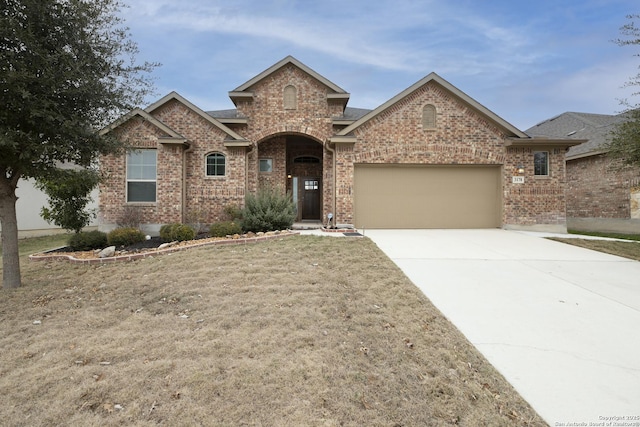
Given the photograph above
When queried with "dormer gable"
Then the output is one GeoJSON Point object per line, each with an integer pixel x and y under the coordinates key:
{"type": "Point", "coordinates": [508, 128]}
{"type": "Point", "coordinates": [232, 136]}
{"type": "Point", "coordinates": [169, 136]}
{"type": "Point", "coordinates": [335, 94]}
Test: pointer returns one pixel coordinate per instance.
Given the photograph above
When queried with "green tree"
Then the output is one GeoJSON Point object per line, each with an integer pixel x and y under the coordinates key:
{"type": "Point", "coordinates": [624, 143]}
{"type": "Point", "coordinates": [67, 68]}
{"type": "Point", "coordinates": [69, 192]}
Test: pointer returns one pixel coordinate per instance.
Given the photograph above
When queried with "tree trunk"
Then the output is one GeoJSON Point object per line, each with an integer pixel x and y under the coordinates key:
{"type": "Point", "coordinates": [9, 224]}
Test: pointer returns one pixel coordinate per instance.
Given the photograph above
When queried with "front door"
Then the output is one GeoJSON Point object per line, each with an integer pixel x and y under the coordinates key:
{"type": "Point", "coordinates": [309, 194]}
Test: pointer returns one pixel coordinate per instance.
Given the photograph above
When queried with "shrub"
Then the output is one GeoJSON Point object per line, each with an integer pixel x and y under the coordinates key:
{"type": "Point", "coordinates": [69, 192]}
{"type": "Point", "coordinates": [177, 232]}
{"type": "Point", "coordinates": [268, 210]}
{"type": "Point", "coordinates": [131, 217]}
{"type": "Point", "coordinates": [232, 213]}
{"type": "Point", "coordinates": [125, 236]}
{"type": "Point", "coordinates": [196, 219]}
{"type": "Point", "coordinates": [88, 240]}
{"type": "Point", "coordinates": [224, 228]}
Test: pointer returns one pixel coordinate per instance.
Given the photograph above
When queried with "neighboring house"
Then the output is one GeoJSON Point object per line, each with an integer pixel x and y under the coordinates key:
{"type": "Point", "coordinates": [430, 157]}
{"type": "Point", "coordinates": [600, 195]}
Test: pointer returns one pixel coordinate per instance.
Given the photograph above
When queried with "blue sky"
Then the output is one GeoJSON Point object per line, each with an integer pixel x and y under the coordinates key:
{"type": "Point", "coordinates": [524, 60]}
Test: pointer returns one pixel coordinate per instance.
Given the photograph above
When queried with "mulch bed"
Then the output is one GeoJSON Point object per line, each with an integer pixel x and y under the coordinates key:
{"type": "Point", "coordinates": [152, 247]}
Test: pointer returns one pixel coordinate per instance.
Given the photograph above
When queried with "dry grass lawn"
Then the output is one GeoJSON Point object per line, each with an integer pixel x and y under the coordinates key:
{"type": "Point", "coordinates": [629, 249]}
{"type": "Point", "coordinates": [301, 331]}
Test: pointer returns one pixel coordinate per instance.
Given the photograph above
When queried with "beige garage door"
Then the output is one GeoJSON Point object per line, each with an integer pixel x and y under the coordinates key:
{"type": "Point", "coordinates": [394, 196]}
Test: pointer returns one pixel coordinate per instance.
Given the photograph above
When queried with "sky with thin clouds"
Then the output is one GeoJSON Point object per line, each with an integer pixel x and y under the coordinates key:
{"type": "Point", "coordinates": [526, 61]}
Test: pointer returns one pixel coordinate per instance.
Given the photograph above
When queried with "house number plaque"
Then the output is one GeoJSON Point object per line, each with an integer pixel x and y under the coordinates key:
{"type": "Point", "coordinates": [517, 179]}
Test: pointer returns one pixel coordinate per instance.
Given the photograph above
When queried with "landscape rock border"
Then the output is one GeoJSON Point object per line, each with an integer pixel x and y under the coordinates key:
{"type": "Point", "coordinates": [53, 256]}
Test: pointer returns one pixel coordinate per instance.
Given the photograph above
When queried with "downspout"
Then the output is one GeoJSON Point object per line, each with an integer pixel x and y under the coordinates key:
{"type": "Point", "coordinates": [184, 182]}
{"type": "Point", "coordinates": [246, 169]}
{"type": "Point", "coordinates": [335, 180]}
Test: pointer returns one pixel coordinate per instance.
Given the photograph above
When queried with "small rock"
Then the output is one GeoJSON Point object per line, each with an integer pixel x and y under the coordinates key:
{"type": "Point", "coordinates": [107, 252]}
{"type": "Point", "coordinates": [167, 245]}
{"type": "Point", "coordinates": [37, 322]}
{"type": "Point", "coordinates": [147, 237]}
{"type": "Point", "coordinates": [118, 407]}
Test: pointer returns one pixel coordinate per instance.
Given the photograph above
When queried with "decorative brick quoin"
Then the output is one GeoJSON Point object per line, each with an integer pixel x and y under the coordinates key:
{"type": "Point", "coordinates": [430, 157]}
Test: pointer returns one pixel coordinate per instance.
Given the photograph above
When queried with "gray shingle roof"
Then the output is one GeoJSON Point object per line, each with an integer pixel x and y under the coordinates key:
{"type": "Point", "coordinates": [594, 127]}
{"type": "Point", "coordinates": [224, 114]}
{"type": "Point", "coordinates": [354, 113]}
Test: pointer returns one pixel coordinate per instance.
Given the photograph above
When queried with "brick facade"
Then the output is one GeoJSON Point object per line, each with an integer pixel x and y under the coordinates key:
{"type": "Point", "coordinates": [464, 134]}
{"type": "Point", "coordinates": [598, 189]}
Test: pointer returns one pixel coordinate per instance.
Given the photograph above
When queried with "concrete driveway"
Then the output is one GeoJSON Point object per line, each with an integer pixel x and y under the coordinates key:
{"type": "Point", "coordinates": [561, 323]}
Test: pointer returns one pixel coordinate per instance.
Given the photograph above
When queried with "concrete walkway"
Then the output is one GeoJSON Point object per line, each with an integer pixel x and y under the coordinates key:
{"type": "Point", "coordinates": [561, 323]}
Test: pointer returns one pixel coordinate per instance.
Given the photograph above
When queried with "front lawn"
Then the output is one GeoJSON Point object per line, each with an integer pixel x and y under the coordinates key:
{"type": "Point", "coordinates": [301, 331]}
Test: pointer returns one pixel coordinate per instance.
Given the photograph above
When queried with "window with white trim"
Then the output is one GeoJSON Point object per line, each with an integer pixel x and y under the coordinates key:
{"type": "Point", "coordinates": [141, 175]}
{"type": "Point", "coordinates": [216, 164]}
{"type": "Point", "coordinates": [541, 163]}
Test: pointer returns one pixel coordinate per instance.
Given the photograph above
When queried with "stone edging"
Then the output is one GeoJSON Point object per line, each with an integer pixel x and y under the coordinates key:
{"type": "Point", "coordinates": [151, 253]}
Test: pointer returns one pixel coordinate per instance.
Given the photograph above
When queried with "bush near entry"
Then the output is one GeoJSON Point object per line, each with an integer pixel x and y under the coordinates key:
{"type": "Point", "coordinates": [224, 228]}
{"type": "Point", "coordinates": [177, 232]}
{"type": "Point", "coordinates": [125, 236]}
{"type": "Point", "coordinates": [87, 240]}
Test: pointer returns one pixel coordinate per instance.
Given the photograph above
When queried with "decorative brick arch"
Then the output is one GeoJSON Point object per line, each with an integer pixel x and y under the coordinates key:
{"type": "Point", "coordinates": [291, 129]}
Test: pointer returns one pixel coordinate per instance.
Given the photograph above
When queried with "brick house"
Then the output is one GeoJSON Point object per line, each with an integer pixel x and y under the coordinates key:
{"type": "Point", "coordinates": [430, 157]}
{"type": "Point", "coordinates": [600, 196]}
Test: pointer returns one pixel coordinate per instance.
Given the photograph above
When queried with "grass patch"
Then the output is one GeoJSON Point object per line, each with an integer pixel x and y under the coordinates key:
{"type": "Point", "coordinates": [611, 235]}
{"type": "Point", "coordinates": [629, 250]}
{"type": "Point", "coordinates": [303, 331]}
{"type": "Point", "coordinates": [38, 244]}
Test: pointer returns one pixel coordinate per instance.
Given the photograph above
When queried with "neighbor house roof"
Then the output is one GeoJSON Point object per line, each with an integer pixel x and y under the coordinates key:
{"type": "Point", "coordinates": [595, 128]}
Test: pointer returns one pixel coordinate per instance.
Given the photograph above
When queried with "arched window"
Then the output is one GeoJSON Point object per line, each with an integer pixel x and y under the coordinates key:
{"type": "Point", "coordinates": [290, 98]}
{"type": "Point", "coordinates": [216, 164]}
{"type": "Point", "coordinates": [429, 117]}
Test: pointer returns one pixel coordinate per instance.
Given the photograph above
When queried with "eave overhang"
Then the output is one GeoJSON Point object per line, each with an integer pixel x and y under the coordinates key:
{"type": "Point", "coordinates": [240, 96]}
{"type": "Point", "coordinates": [236, 144]}
{"type": "Point", "coordinates": [544, 142]}
{"type": "Point", "coordinates": [165, 140]}
{"type": "Point", "coordinates": [342, 122]}
{"type": "Point", "coordinates": [343, 140]}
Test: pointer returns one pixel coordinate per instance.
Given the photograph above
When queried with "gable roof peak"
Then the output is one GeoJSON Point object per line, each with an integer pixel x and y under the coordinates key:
{"type": "Point", "coordinates": [280, 64]}
{"type": "Point", "coordinates": [173, 95]}
{"type": "Point", "coordinates": [433, 77]}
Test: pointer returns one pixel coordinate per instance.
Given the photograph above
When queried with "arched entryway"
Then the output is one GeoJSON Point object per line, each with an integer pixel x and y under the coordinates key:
{"type": "Point", "coordinates": [294, 162]}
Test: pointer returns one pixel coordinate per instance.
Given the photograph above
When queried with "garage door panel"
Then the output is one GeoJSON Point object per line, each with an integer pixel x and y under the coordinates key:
{"type": "Point", "coordinates": [427, 196]}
